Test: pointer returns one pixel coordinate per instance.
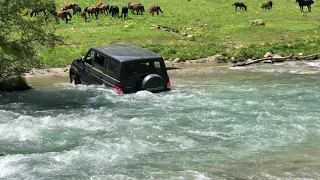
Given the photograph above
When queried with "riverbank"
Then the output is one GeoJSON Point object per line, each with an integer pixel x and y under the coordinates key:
{"type": "Point", "coordinates": [173, 64]}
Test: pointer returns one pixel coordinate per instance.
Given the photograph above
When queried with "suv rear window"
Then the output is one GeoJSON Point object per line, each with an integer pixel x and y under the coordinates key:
{"type": "Point", "coordinates": [135, 69]}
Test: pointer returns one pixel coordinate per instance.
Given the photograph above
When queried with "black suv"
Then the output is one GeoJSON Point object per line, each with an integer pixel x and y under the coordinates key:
{"type": "Point", "coordinates": [125, 67]}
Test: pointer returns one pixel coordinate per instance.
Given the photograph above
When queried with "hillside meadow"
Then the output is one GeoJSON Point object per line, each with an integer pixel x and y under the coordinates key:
{"type": "Point", "coordinates": [215, 26]}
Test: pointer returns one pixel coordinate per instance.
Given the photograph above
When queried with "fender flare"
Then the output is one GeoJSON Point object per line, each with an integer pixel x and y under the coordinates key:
{"type": "Point", "coordinates": [73, 70]}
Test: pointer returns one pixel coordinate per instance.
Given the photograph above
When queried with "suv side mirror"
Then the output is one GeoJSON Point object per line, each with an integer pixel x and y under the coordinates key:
{"type": "Point", "coordinates": [81, 58]}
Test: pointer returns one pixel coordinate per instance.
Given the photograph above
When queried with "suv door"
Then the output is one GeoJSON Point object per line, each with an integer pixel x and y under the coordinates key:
{"type": "Point", "coordinates": [111, 76]}
{"type": "Point", "coordinates": [84, 72]}
{"type": "Point", "coordinates": [98, 69]}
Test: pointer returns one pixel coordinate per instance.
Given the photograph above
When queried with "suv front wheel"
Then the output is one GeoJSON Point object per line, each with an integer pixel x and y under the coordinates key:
{"type": "Point", "coordinates": [74, 79]}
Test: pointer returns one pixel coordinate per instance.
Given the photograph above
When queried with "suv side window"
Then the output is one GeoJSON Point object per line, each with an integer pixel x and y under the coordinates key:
{"type": "Point", "coordinates": [99, 62]}
{"type": "Point", "coordinates": [113, 69]}
{"type": "Point", "coordinates": [157, 66]}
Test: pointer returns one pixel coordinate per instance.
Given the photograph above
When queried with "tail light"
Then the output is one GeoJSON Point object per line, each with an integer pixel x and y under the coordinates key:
{"type": "Point", "coordinates": [118, 89]}
{"type": "Point", "coordinates": [168, 85]}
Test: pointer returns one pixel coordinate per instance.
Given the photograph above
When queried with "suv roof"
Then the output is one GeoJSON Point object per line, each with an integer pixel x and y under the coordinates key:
{"type": "Point", "coordinates": [126, 52]}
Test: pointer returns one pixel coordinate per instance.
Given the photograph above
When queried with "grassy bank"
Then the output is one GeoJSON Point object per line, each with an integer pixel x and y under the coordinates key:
{"type": "Point", "coordinates": [215, 25]}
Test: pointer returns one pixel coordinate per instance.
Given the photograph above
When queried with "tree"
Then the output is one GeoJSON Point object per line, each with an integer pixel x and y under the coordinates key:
{"type": "Point", "coordinates": [21, 35]}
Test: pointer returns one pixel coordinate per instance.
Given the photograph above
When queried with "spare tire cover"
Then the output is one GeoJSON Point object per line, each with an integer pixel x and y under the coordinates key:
{"type": "Point", "coordinates": [153, 82]}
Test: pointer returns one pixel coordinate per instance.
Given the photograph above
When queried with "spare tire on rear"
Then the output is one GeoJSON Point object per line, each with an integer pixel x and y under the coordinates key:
{"type": "Point", "coordinates": [153, 83]}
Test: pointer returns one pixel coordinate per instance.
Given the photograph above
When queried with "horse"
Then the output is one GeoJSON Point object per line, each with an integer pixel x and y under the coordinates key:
{"type": "Point", "coordinates": [131, 4]}
{"type": "Point", "coordinates": [84, 16]}
{"type": "Point", "coordinates": [103, 8]}
{"type": "Point", "coordinates": [124, 12]}
{"type": "Point", "coordinates": [155, 8]}
{"type": "Point", "coordinates": [62, 13]}
{"type": "Point", "coordinates": [139, 8]}
{"type": "Point", "coordinates": [77, 10]}
{"type": "Point", "coordinates": [267, 5]}
{"type": "Point", "coordinates": [307, 3]}
{"type": "Point", "coordinates": [36, 11]}
{"type": "Point", "coordinates": [71, 6]}
{"type": "Point", "coordinates": [92, 10]}
{"type": "Point", "coordinates": [240, 5]}
{"type": "Point", "coordinates": [114, 10]}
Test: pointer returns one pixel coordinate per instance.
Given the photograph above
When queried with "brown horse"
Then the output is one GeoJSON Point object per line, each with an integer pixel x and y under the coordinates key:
{"type": "Point", "coordinates": [240, 5]}
{"type": "Point", "coordinates": [155, 8]}
{"type": "Point", "coordinates": [131, 4]}
{"type": "Point", "coordinates": [63, 14]}
{"type": "Point", "coordinates": [103, 8]}
{"type": "Point", "coordinates": [72, 6]}
{"type": "Point", "coordinates": [139, 8]}
{"type": "Point", "coordinates": [92, 10]}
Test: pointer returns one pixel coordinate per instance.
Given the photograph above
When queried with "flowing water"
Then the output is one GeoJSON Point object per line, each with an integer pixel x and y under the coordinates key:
{"type": "Point", "coordinates": [256, 122]}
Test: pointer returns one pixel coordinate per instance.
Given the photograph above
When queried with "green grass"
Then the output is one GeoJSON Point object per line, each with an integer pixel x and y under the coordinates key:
{"type": "Point", "coordinates": [216, 26]}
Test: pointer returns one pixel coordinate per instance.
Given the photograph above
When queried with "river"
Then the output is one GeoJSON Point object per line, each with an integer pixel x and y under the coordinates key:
{"type": "Point", "coordinates": [255, 122]}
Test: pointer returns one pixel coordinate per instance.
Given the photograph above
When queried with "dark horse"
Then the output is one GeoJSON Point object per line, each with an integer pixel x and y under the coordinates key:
{"type": "Point", "coordinates": [36, 11]}
{"type": "Point", "coordinates": [307, 3]}
{"type": "Point", "coordinates": [267, 5]}
{"type": "Point", "coordinates": [124, 12]}
{"type": "Point", "coordinates": [114, 10]}
{"type": "Point", "coordinates": [240, 5]}
{"type": "Point", "coordinates": [63, 14]}
{"type": "Point", "coordinates": [155, 8]}
{"type": "Point", "coordinates": [139, 8]}
{"type": "Point", "coordinates": [77, 10]}
{"type": "Point", "coordinates": [92, 10]}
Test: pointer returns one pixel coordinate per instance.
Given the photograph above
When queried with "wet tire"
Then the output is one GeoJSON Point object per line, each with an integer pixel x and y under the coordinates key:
{"type": "Point", "coordinates": [153, 83]}
{"type": "Point", "coordinates": [74, 79]}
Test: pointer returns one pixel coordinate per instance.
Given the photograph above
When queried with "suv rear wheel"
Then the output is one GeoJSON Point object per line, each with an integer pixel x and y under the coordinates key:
{"type": "Point", "coordinates": [153, 83]}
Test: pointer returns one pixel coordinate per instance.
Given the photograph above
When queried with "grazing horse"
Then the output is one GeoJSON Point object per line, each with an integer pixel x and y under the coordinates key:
{"type": "Point", "coordinates": [307, 3]}
{"type": "Point", "coordinates": [103, 8]}
{"type": "Point", "coordinates": [114, 10]}
{"type": "Point", "coordinates": [36, 11]}
{"type": "Point", "coordinates": [139, 8]}
{"type": "Point", "coordinates": [267, 5]}
{"type": "Point", "coordinates": [77, 10]}
{"type": "Point", "coordinates": [155, 8]}
{"type": "Point", "coordinates": [131, 4]}
{"type": "Point", "coordinates": [240, 5]}
{"type": "Point", "coordinates": [71, 6]}
{"type": "Point", "coordinates": [92, 10]}
{"type": "Point", "coordinates": [124, 12]}
{"type": "Point", "coordinates": [84, 16]}
{"type": "Point", "coordinates": [62, 13]}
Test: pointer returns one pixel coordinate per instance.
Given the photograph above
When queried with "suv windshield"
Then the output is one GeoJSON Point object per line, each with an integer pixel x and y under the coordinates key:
{"type": "Point", "coordinates": [136, 69]}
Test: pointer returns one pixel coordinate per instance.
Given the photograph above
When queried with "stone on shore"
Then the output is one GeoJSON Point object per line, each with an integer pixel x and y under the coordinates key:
{"type": "Point", "coordinates": [268, 54]}
{"type": "Point", "coordinates": [258, 22]}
